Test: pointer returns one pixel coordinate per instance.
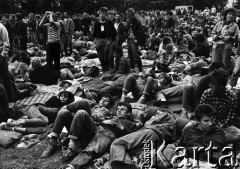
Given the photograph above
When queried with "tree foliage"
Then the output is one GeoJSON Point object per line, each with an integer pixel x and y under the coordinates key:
{"type": "Point", "coordinates": [92, 5]}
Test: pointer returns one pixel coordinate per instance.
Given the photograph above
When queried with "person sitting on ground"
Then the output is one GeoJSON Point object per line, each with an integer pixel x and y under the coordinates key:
{"type": "Point", "coordinates": [51, 76]}
{"type": "Point", "coordinates": [143, 89]}
{"type": "Point", "coordinates": [202, 48]}
{"type": "Point", "coordinates": [118, 126]}
{"type": "Point", "coordinates": [225, 103]}
{"type": "Point", "coordinates": [157, 129]}
{"type": "Point", "coordinates": [192, 75]}
{"type": "Point", "coordinates": [115, 81]}
{"type": "Point", "coordinates": [165, 59]}
{"type": "Point", "coordinates": [202, 132]}
{"type": "Point", "coordinates": [39, 116]}
{"type": "Point", "coordinates": [192, 93]}
{"type": "Point", "coordinates": [70, 117]}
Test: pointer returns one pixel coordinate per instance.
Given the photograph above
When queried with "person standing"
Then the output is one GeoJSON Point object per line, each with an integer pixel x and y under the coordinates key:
{"type": "Point", "coordinates": [21, 31]}
{"type": "Point", "coordinates": [68, 31]}
{"type": "Point", "coordinates": [53, 42]}
{"type": "Point", "coordinates": [120, 38]}
{"type": "Point", "coordinates": [4, 75]}
{"type": "Point", "coordinates": [135, 37]}
{"type": "Point", "coordinates": [223, 35]}
{"type": "Point", "coordinates": [104, 33]}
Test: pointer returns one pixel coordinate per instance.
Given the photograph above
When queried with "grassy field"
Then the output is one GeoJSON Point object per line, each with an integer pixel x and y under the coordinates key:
{"type": "Point", "coordinates": [15, 158]}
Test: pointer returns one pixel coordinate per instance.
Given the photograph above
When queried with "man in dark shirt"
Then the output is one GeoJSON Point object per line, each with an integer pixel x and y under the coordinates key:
{"type": "Point", "coordinates": [109, 130]}
{"type": "Point", "coordinates": [104, 33]}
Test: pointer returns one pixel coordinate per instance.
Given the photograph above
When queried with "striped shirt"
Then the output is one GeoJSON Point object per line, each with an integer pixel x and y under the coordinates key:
{"type": "Point", "coordinates": [53, 32]}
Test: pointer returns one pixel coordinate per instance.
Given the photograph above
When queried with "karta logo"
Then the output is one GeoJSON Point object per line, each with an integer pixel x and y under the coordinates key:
{"type": "Point", "coordinates": [182, 159]}
{"type": "Point", "coordinates": [147, 154]}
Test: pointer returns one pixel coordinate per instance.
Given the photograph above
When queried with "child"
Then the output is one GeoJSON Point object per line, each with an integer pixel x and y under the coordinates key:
{"type": "Point", "coordinates": [39, 116]}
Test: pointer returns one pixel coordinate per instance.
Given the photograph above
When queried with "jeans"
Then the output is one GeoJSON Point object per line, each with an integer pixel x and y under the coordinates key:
{"type": "Point", "coordinates": [220, 54]}
{"type": "Point", "coordinates": [132, 144]}
{"type": "Point", "coordinates": [111, 57]}
{"type": "Point", "coordinates": [3, 104]}
{"type": "Point", "coordinates": [190, 99]}
{"type": "Point", "coordinates": [131, 85]}
{"type": "Point", "coordinates": [134, 55]}
{"type": "Point", "coordinates": [97, 147]}
{"type": "Point", "coordinates": [5, 79]}
{"type": "Point", "coordinates": [80, 125]}
{"type": "Point", "coordinates": [53, 54]}
{"type": "Point", "coordinates": [50, 113]}
{"type": "Point", "coordinates": [67, 42]}
{"type": "Point", "coordinates": [102, 46]}
{"type": "Point", "coordinates": [236, 72]}
{"type": "Point", "coordinates": [175, 91]}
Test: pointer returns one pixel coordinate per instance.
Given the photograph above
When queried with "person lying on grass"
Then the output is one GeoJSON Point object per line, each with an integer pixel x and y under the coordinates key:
{"type": "Point", "coordinates": [39, 115]}
{"type": "Point", "coordinates": [73, 118]}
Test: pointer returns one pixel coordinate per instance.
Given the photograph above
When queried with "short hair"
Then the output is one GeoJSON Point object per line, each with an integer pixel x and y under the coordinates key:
{"type": "Point", "coordinates": [131, 10]}
{"type": "Point", "coordinates": [166, 77]}
{"type": "Point", "coordinates": [169, 47]}
{"type": "Point", "coordinates": [228, 10]}
{"type": "Point", "coordinates": [103, 9]}
{"type": "Point", "coordinates": [167, 40]}
{"type": "Point", "coordinates": [219, 76]}
{"type": "Point", "coordinates": [111, 100]}
{"type": "Point", "coordinates": [200, 37]}
{"type": "Point", "coordinates": [19, 16]}
{"type": "Point", "coordinates": [120, 14]}
{"type": "Point", "coordinates": [64, 93]}
{"type": "Point", "coordinates": [204, 109]}
{"type": "Point", "coordinates": [128, 105]}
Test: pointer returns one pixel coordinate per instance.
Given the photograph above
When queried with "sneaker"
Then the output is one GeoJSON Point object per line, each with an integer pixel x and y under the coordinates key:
{"type": "Point", "coordinates": [13, 123]}
{"type": "Point", "coordinates": [68, 155]}
{"type": "Point", "coordinates": [65, 142]}
{"type": "Point", "coordinates": [3, 125]}
{"type": "Point", "coordinates": [141, 100]}
{"type": "Point", "coordinates": [123, 98]}
{"type": "Point", "coordinates": [160, 103]}
{"type": "Point", "coordinates": [50, 150]}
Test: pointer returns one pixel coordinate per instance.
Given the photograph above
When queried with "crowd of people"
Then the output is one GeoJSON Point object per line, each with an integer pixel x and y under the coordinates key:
{"type": "Point", "coordinates": [195, 60]}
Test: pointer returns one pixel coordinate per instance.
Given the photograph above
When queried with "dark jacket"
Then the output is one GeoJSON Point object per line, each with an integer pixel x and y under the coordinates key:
{"type": "Point", "coordinates": [111, 31]}
{"type": "Point", "coordinates": [192, 136]}
{"type": "Point", "coordinates": [21, 30]}
{"type": "Point", "coordinates": [44, 75]}
{"type": "Point", "coordinates": [121, 33]}
{"type": "Point", "coordinates": [138, 31]}
{"type": "Point", "coordinates": [202, 49]}
{"type": "Point", "coordinates": [162, 124]}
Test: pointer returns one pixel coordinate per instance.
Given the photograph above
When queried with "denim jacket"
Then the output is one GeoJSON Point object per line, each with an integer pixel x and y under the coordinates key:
{"type": "Point", "coordinates": [225, 31]}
